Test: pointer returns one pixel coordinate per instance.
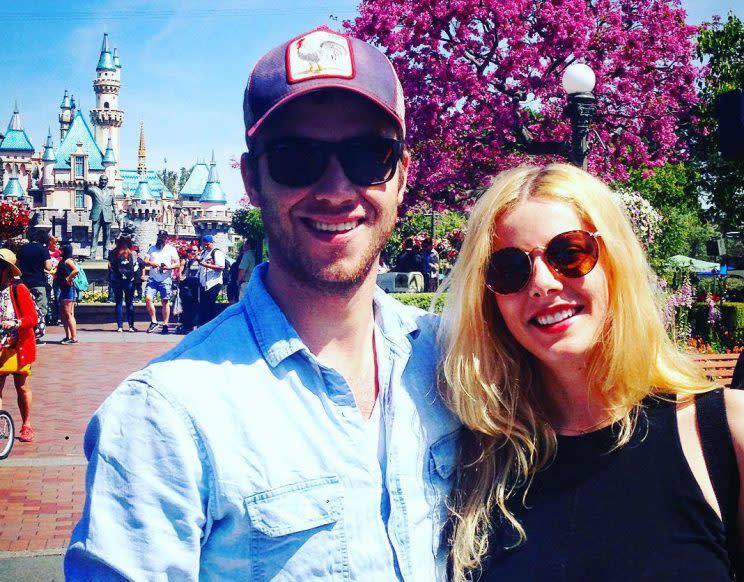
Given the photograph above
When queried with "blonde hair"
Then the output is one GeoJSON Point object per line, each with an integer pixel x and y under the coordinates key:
{"type": "Point", "coordinates": [490, 381]}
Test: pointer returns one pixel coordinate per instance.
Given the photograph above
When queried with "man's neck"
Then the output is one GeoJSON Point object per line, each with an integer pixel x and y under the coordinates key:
{"type": "Point", "coordinates": [337, 328]}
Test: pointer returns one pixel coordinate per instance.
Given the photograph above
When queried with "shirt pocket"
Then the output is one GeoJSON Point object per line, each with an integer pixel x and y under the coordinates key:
{"type": "Point", "coordinates": [442, 459]}
{"type": "Point", "coordinates": [297, 532]}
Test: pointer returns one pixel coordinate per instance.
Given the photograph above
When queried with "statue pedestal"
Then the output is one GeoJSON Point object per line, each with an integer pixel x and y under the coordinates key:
{"type": "Point", "coordinates": [97, 272]}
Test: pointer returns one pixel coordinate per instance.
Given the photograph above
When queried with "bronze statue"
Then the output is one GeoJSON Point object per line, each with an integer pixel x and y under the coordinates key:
{"type": "Point", "coordinates": [103, 212]}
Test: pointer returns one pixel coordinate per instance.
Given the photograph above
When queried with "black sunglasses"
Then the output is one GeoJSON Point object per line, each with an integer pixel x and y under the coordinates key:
{"type": "Point", "coordinates": [299, 162]}
{"type": "Point", "coordinates": [572, 254]}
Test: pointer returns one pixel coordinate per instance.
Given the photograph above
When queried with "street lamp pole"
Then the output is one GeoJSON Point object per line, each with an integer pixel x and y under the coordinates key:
{"type": "Point", "coordinates": [578, 82]}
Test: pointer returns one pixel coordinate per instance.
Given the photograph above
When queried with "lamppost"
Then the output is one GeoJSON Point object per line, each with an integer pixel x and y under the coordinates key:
{"type": "Point", "coordinates": [578, 81]}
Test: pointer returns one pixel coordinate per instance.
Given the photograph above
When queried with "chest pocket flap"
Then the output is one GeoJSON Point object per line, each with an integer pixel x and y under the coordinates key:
{"type": "Point", "coordinates": [443, 455]}
{"type": "Point", "coordinates": [296, 507]}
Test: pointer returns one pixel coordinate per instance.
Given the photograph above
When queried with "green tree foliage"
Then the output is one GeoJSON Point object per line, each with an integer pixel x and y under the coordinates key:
{"type": "Point", "coordinates": [721, 46]}
{"type": "Point", "coordinates": [418, 220]}
{"type": "Point", "coordinates": [248, 223]}
{"type": "Point", "coordinates": [170, 179]}
{"type": "Point", "coordinates": [683, 233]}
{"type": "Point", "coordinates": [183, 176]}
{"type": "Point", "coordinates": [672, 185]}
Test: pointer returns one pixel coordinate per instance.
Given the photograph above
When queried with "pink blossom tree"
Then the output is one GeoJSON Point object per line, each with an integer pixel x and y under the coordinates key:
{"type": "Point", "coordinates": [475, 71]}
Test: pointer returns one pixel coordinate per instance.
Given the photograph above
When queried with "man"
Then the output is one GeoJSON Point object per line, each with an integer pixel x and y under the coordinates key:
{"type": "Point", "coordinates": [35, 262]}
{"type": "Point", "coordinates": [245, 267]}
{"type": "Point", "coordinates": [211, 265]}
{"type": "Point", "coordinates": [408, 260]}
{"type": "Point", "coordinates": [102, 213]}
{"type": "Point", "coordinates": [162, 259]}
{"type": "Point", "coordinates": [298, 436]}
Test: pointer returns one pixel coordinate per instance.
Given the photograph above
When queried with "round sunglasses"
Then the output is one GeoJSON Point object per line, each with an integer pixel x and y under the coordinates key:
{"type": "Point", "coordinates": [299, 162]}
{"type": "Point", "coordinates": [572, 254]}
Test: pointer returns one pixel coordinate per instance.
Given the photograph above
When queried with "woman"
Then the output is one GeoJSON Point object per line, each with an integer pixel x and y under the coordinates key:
{"type": "Point", "coordinates": [66, 271]}
{"type": "Point", "coordinates": [53, 291]}
{"type": "Point", "coordinates": [582, 461]}
{"type": "Point", "coordinates": [123, 269]}
{"type": "Point", "coordinates": [17, 320]}
{"type": "Point", "coordinates": [189, 289]}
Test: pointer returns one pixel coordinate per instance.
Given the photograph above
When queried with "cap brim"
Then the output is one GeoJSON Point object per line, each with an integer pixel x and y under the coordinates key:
{"type": "Point", "coordinates": [251, 131]}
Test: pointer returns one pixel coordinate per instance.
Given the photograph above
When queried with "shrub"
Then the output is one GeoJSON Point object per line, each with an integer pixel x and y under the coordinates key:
{"type": "Point", "coordinates": [421, 300]}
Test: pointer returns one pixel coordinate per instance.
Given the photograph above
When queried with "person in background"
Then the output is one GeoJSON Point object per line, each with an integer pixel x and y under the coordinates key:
{"type": "Point", "coordinates": [212, 263]}
{"type": "Point", "coordinates": [189, 290]}
{"type": "Point", "coordinates": [34, 262]}
{"type": "Point", "coordinates": [596, 449]}
{"type": "Point", "coordinates": [66, 271]}
{"type": "Point", "coordinates": [408, 260]}
{"type": "Point", "coordinates": [52, 290]}
{"type": "Point", "coordinates": [163, 260]}
{"type": "Point", "coordinates": [124, 273]}
{"type": "Point", "coordinates": [430, 260]}
{"type": "Point", "coordinates": [18, 318]}
{"type": "Point", "coordinates": [246, 266]}
{"type": "Point", "coordinates": [139, 282]}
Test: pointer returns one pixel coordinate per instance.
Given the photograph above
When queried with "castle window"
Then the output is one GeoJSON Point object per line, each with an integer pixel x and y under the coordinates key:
{"type": "Point", "coordinates": [79, 167]}
{"type": "Point", "coordinates": [79, 199]}
{"type": "Point", "coordinates": [105, 105]}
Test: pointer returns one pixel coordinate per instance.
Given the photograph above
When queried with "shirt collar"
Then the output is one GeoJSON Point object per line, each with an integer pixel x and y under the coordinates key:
{"type": "Point", "coordinates": [277, 339]}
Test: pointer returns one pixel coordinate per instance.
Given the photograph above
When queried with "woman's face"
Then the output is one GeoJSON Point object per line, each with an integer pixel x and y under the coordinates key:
{"type": "Point", "coordinates": [6, 275]}
{"type": "Point", "coordinates": [555, 318]}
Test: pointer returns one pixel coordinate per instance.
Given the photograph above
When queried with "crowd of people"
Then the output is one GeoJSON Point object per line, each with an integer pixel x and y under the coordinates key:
{"type": "Point", "coordinates": [187, 286]}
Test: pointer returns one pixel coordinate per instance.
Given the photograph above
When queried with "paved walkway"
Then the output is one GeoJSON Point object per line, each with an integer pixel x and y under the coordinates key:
{"type": "Point", "coordinates": [41, 483]}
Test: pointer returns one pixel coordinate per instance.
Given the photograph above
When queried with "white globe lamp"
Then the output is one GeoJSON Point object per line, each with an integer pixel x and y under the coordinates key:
{"type": "Point", "coordinates": [578, 78]}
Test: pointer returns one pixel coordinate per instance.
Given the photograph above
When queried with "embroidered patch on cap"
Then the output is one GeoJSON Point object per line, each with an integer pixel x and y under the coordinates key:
{"type": "Point", "coordinates": [321, 53]}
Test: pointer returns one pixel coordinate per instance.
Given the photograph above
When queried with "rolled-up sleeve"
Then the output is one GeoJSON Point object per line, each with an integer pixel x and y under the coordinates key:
{"type": "Point", "coordinates": [147, 492]}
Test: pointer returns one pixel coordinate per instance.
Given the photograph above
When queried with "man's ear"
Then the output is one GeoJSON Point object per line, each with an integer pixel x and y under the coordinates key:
{"type": "Point", "coordinates": [405, 162]}
{"type": "Point", "coordinates": [248, 170]}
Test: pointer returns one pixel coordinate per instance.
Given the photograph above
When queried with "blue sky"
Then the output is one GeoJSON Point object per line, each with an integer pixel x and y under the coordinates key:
{"type": "Point", "coordinates": [185, 64]}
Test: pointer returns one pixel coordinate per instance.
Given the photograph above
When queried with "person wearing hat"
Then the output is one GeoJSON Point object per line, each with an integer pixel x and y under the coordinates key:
{"type": "Point", "coordinates": [162, 259]}
{"type": "Point", "coordinates": [299, 435]}
{"type": "Point", "coordinates": [211, 265]}
{"type": "Point", "coordinates": [18, 317]}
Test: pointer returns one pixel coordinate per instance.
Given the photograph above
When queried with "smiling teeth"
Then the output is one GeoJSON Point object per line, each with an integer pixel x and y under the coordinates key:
{"type": "Point", "coordinates": [556, 317]}
{"type": "Point", "coordinates": [339, 227]}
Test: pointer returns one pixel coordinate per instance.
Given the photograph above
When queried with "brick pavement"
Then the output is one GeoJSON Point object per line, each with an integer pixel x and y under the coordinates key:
{"type": "Point", "coordinates": [42, 483]}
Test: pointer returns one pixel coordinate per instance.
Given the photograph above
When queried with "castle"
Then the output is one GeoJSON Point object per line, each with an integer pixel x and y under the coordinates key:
{"type": "Point", "coordinates": [51, 181]}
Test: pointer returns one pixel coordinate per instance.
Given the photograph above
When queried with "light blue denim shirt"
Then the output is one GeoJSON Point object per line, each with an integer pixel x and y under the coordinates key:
{"type": "Point", "coordinates": [238, 455]}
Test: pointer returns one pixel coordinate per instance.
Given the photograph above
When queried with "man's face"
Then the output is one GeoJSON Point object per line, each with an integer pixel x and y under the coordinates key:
{"type": "Point", "coordinates": [102, 181]}
{"type": "Point", "coordinates": [329, 234]}
{"type": "Point", "coordinates": [161, 240]}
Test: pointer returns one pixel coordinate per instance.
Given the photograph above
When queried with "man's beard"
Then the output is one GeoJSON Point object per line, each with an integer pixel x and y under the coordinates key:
{"type": "Point", "coordinates": [329, 277]}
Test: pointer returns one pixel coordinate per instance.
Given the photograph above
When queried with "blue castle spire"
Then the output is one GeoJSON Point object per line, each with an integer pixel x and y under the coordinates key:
{"type": "Point", "coordinates": [48, 149]}
{"type": "Point", "coordinates": [106, 60]}
{"type": "Point", "coordinates": [213, 191]}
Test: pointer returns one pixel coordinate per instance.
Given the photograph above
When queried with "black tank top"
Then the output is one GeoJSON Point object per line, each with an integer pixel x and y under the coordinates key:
{"type": "Point", "coordinates": [631, 514]}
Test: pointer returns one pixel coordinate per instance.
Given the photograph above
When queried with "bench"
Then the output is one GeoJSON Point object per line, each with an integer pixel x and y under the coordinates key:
{"type": "Point", "coordinates": [718, 367]}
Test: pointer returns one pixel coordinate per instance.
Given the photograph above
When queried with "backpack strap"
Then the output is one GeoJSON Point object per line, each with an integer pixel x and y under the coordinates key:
{"type": "Point", "coordinates": [720, 459]}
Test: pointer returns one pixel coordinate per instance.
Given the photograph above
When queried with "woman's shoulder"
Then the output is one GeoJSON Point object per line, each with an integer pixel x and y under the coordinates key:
{"type": "Point", "coordinates": [734, 400]}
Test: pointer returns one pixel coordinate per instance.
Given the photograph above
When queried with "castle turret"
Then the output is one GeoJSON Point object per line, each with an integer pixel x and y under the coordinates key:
{"type": "Point", "coordinates": [16, 140]}
{"type": "Point", "coordinates": [14, 189]}
{"type": "Point", "coordinates": [47, 160]}
{"type": "Point", "coordinates": [109, 161]}
{"type": "Point", "coordinates": [213, 193]}
{"type": "Point", "coordinates": [107, 118]}
{"type": "Point", "coordinates": [65, 116]}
